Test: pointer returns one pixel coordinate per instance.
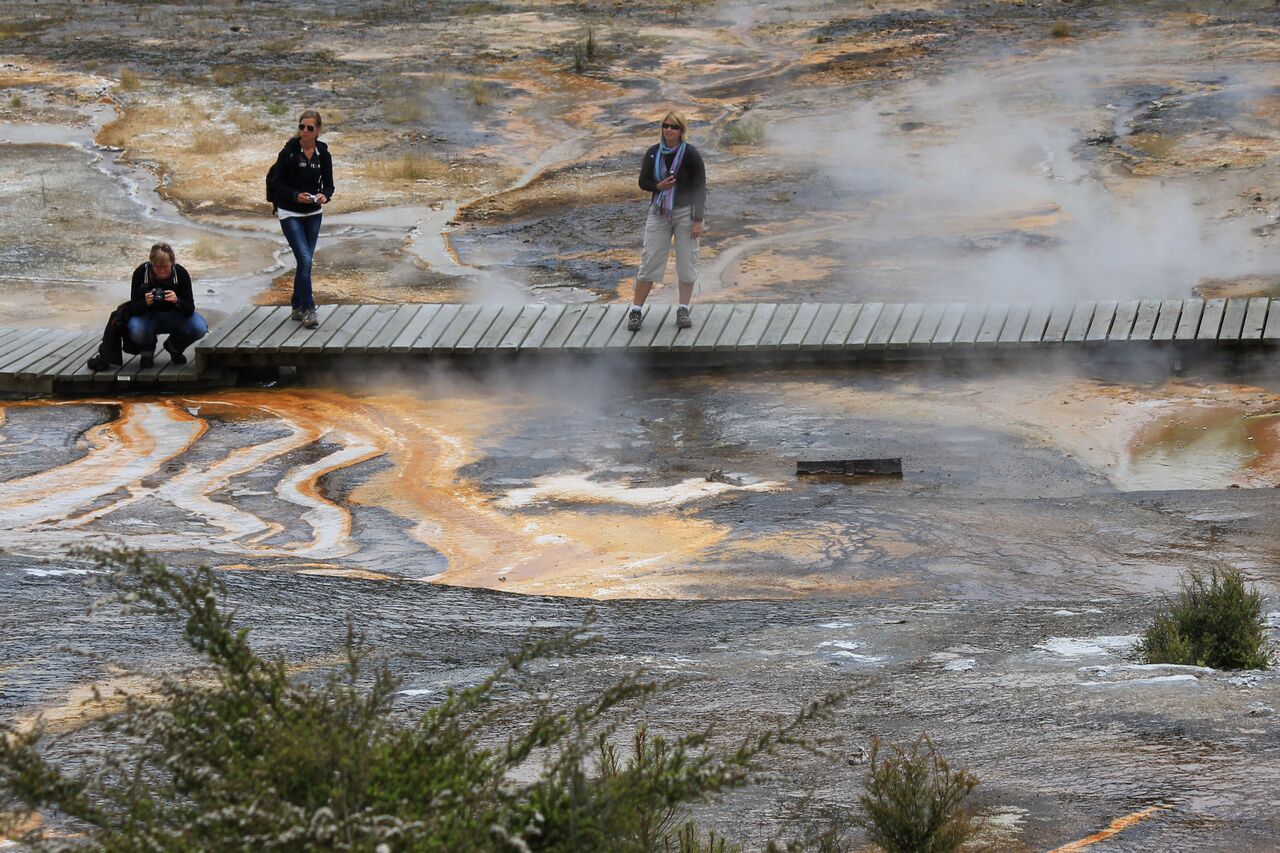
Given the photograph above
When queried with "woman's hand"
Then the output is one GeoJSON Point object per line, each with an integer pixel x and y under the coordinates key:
{"type": "Point", "coordinates": [321, 198]}
{"type": "Point", "coordinates": [303, 198]}
{"type": "Point", "coordinates": [667, 182]}
{"type": "Point", "coordinates": [170, 296]}
{"type": "Point", "coordinates": [697, 230]}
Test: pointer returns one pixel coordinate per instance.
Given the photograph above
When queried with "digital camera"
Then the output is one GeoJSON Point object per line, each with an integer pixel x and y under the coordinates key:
{"type": "Point", "coordinates": [157, 295]}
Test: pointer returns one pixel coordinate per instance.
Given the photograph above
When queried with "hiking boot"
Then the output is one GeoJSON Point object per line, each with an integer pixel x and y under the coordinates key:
{"type": "Point", "coordinates": [148, 360]}
{"type": "Point", "coordinates": [309, 320]}
{"type": "Point", "coordinates": [296, 316]}
{"type": "Point", "coordinates": [633, 321]}
{"type": "Point", "coordinates": [175, 356]}
{"type": "Point", "coordinates": [682, 318]}
{"type": "Point", "coordinates": [96, 363]}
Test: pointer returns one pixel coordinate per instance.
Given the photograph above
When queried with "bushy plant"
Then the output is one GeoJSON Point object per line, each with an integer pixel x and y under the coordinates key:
{"type": "Point", "coordinates": [913, 801]}
{"type": "Point", "coordinates": [1214, 621]}
{"type": "Point", "coordinates": [242, 756]}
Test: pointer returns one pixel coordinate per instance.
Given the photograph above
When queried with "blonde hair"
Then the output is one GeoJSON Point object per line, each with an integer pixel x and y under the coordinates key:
{"type": "Point", "coordinates": [311, 114]}
{"type": "Point", "coordinates": [673, 117]}
{"type": "Point", "coordinates": [161, 254]}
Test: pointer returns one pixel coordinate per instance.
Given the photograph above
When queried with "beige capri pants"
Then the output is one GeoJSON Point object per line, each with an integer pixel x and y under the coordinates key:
{"type": "Point", "coordinates": [657, 246]}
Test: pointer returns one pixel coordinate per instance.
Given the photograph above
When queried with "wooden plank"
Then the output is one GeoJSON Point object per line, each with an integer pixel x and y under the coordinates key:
{"type": "Point", "coordinates": [1100, 326]}
{"type": "Point", "coordinates": [760, 320]}
{"type": "Point", "coordinates": [883, 329]}
{"type": "Point", "coordinates": [1055, 331]}
{"type": "Point", "coordinates": [1144, 322]}
{"type": "Point", "coordinates": [326, 315]}
{"type": "Point", "coordinates": [348, 330]}
{"type": "Point", "coordinates": [821, 326]}
{"type": "Point", "coordinates": [1233, 320]}
{"type": "Point", "coordinates": [457, 328]}
{"type": "Point", "coordinates": [53, 342]}
{"type": "Point", "coordinates": [1189, 322]}
{"type": "Point", "coordinates": [1122, 324]}
{"type": "Point", "coordinates": [542, 327]}
{"type": "Point", "coordinates": [377, 323]}
{"type": "Point", "coordinates": [564, 326]}
{"type": "Point", "coordinates": [1011, 334]}
{"type": "Point", "coordinates": [75, 358]}
{"type": "Point", "coordinates": [314, 340]}
{"type": "Point", "coordinates": [434, 329]}
{"type": "Point", "coordinates": [277, 319]}
{"type": "Point", "coordinates": [666, 333]}
{"type": "Point", "coordinates": [906, 329]}
{"type": "Point", "coordinates": [20, 343]}
{"type": "Point", "coordinates": [231, 340]}
{"type": "Point", "coordinates": [1211, 319]}
{"type": "Point", "coordinates": [1081, 317]}
{"type": "Point", "coordinates": [949, 326]}
{"type": "Point", "coordinates": [778, 326]}
{"type": "Point", "coordinates": [712, 327]}
{"type": "Point", "coordinates": [800, 325]}
{"type": "Point", "coordinates": [8, 334]}
{"type": "Point", "coordinates": [506, 318]}
{"type": "Point", "coordinates": [992, 325]}
{"type": "Point", "coordinates": [615, 318]}
{"type": "Point", "coordinates": [227, 326]}
{"type": "Point", "coordinates": [861, 331]}
{"type": "Point", "coordinates": [586, 327]}
{"type": "Point", "coordinates": [520, 328]}
{"type": "Point", "coordinates": [1167, 322]}
{"type": "Point", "coordinates": [391, 330]}
{"type": "Point", "coordinates": [33, 343]}
{"type": "Point", "coordinates": [930, 320]}
{"type": "Point", "coordinates": [471, 337]}
{"type": "Point", "coordinates": [73, 343]}
{"type": "Point", "coordinates": [657, 320]}
{"type": "Point", "coordinates": [1254, 319]}
{"type": "Point", "coordinates": [739, 318]}
{"type": "Point", "coordinates": [843, 325]}
{"type": "Point", "coordinates": [1037, 322]}
{"type": "Point", "coordinates": [274, 341]}
{"type": "Point", "coordinates": [416, 326]}
{"type": "Point", "coordinates": [967, 334]}
{"type": "Point", "coordinates": [124, 372]}
{"type": "Point", "coordinates": [1271, 331]}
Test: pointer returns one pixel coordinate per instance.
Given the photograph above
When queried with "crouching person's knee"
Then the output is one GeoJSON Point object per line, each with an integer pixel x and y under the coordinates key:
{"type": "Point", "coordinates": [199, 326]}
{"type": "Point", "coordinates": [140, 332]}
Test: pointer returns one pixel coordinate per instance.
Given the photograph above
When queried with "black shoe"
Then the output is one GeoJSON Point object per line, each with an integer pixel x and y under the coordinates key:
{"type": "Point", "coordinates": [147, 361]}
{"type": "Point", "coordinates": [96, 363]}
{"type": "Point", "coordinates": [633, 321]}
{"type": "Point", "coordinates": [682, 318]}
{"type": "Point", "coordinates": [175, 356]}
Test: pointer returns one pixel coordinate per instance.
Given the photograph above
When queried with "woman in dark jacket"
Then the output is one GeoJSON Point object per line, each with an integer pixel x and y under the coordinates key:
{"type": "Point", "coordinates": [302, 184]}
{"type": "Point", "coordinates": [161, 303]}
{"type": "Point", "coordinates": [674, 173]}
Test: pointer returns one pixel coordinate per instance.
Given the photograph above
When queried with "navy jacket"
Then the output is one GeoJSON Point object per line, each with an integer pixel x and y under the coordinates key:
{"type": "Point", "coordinates": [294, 174]}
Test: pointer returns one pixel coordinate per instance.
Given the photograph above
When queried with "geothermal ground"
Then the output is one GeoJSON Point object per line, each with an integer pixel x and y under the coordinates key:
{"type": "Point", "coordinates": [927, 151]}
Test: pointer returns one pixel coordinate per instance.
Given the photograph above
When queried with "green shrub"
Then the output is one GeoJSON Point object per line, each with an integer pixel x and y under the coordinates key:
{"type": "Point", "coordinates": [914, 801]}
{"type": "Point", "coordinates": [1214, 622]}
{"type": "Point", "coordinates": [1060, 30]}
{"type": "Point", "coordinates": [241, 756]}
{"type": "Point", "coordinates": [744, 131]}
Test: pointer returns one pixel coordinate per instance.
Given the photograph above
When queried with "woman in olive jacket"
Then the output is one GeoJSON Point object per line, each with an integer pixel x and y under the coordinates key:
{"type": "Point", "coordinates": [302, 184]}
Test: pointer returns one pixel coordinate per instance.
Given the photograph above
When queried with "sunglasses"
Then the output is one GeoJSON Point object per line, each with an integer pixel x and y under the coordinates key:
{"type": "Point", "coordinates": [666, 126]}
{"type": "Point", "coordinates": [306, 127]}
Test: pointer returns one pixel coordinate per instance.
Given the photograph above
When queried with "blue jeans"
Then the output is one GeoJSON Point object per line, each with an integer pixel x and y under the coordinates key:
{"type": "Point", "coordinates": [302, 232]}
{"type": "Point", "coordinates": [182, 331]}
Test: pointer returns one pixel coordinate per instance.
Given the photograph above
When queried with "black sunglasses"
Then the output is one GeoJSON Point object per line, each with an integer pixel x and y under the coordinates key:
{"type": "Point", "coordinates": [306, 127]}
{"type": "Point", "coordinates": [666, 126]}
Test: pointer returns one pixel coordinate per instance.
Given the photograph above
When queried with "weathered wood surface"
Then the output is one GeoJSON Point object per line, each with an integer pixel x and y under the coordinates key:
{"type": "Point", "coordinates": [265, 335]}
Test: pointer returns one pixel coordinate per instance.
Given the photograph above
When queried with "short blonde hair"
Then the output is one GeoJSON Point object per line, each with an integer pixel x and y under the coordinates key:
{"type": "Point", "coordinates": [306, 114]}
{"type": "Point", "coordinates": [673, 117]}
{"type": "Point", "coordinates": [162, 253]}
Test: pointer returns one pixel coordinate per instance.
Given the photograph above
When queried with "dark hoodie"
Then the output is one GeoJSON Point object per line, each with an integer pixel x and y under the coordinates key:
{"type": "Point", "coordinates": [294, 174]}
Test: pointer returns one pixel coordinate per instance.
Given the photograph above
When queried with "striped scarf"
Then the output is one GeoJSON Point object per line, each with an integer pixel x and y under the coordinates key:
{"type": "Point", "coordinates": [664, 200]}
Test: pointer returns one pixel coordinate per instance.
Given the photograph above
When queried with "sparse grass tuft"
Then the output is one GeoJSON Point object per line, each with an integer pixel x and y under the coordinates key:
{"type": "Point", "coordinates": [409, 167]}
{"type": "Point", "coordinates": [479, 92]}
{"type": "Point", "coordinates": [129, 80]}
{"type": "Point", "coordinates": [277, 109]}
{"type": "Point", "coordinates": [247, 122]}
{"type": "Point", "coordinates": [1060, 30]}
{"type": "Point", "coordinates": [406, 110]}
{"type": "Point", "coordinates": [15, 102]}
{"type": "Point", "coordinates": [914, 800]}
{"type": "Point", "coordinates": [744, 131]}
{"type": "Point", "coordinates": [230, 75]}
{"type": "Point", "coordinates": [212, 141]}
{"type": "Point", "coordinates": [1215, 621]}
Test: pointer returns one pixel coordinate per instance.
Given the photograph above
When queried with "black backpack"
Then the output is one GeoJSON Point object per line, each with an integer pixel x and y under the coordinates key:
{"type": "Point", "coordinates": [271, 180]}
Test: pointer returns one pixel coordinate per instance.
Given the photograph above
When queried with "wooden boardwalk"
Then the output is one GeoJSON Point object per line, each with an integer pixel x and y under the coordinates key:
{"type": "Point", "coordinates": [41, 359]}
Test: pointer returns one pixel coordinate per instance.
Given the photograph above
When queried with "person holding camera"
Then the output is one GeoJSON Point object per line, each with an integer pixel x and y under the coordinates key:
{"type": "Point", "coordinates": [302, 183]}
{"type": "Point", "coordinates": [674, 173]}
{"type": "Point", "coordinates": [160, 303]}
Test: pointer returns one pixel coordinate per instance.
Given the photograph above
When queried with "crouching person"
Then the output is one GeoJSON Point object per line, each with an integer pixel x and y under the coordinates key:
{"type": "Point", "coordinates": [161, 304]}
